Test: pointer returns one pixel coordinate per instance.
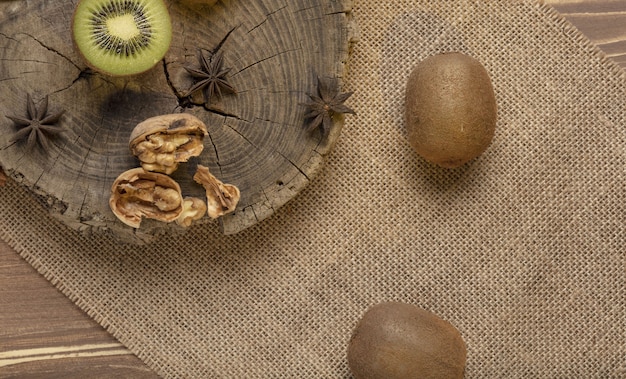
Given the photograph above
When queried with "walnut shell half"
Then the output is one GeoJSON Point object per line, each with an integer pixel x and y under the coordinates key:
{"type": "Point", "coordinates": [137, 193]}
{"type": "Point", "coordinates": [162, 142]}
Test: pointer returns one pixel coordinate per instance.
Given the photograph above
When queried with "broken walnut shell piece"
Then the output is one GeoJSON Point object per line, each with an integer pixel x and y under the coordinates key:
{"type": "Point", "coordinates": [138, 193]}
{"type": "Point", "coordinates": [162, 142]}
{"type": "Point", "coordinates": [193, 209]}
{"type": "Point", "coordinates": [221, 198]}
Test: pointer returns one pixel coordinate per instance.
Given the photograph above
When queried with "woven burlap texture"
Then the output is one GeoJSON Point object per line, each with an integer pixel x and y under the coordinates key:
{"type": "Point", "coordinates": [523, 250]}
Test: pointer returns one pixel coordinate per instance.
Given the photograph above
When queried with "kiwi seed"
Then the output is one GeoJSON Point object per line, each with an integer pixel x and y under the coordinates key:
{"type": "Point", "coordinates": [122, 37]}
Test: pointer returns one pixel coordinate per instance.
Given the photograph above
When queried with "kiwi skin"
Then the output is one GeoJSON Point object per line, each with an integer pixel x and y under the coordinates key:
{"type": "Point", "coordinates": [450, 109]}
{"type": "Point", "coordinates": [395, 340]}
{"type": "Point", "coordinates": [139, 56]}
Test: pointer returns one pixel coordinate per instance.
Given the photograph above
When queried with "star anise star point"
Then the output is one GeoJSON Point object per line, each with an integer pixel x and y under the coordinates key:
{"type": "Point", "coordinates": [38, 126]}
{"type": "Point", "coordinates": [323, 106]}
{"type": "Point", "coordinates": [211, 78]}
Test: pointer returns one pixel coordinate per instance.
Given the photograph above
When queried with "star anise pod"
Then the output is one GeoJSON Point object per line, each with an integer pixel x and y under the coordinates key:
{"type": "Point", "coordinates": [211, 78]}
{"type": "Point", "coordinates": [327, 103]}
{"type": "Point", "coordinates": [37, 127]}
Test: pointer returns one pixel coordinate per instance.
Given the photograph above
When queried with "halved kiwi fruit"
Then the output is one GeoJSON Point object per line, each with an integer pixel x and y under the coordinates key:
{"type": "Point", "coordinates": [122, 37]}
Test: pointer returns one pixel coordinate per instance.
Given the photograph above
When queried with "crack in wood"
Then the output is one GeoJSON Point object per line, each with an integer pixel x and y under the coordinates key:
{"type": "Point", "coordinates": [224, 114]}
{"type": "Point", "coordinates": [222, 41]}
{"type": "Point", "coordinates": [9, 38]}
{"type": "Point", "coordinates": [8, 79]}
{"type": "Point", "coordinates": [265, 59]}
{"type": "Point", "coordinates": [276, 151]}
{"type": "Point", "coordinates": [52, 50]}
{"type": "Point", "coordinates": [26, 60]}
{"type": "Point", "coordinates": [168, 80]}
{"type": "Point", "coordinates": [217, 156]}
{"type": "Point", "coordinates": [82, 75]}
{"type": "Point", "coordinates": [267, 16]}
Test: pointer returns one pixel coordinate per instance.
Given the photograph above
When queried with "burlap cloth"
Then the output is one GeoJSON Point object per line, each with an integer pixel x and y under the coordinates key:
{"type": "Point", "coordinates": [524, 250]}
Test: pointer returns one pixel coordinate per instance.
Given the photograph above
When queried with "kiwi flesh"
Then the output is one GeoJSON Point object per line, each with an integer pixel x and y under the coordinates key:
{"type": "Point", "coordinates": [395, 340]}
{"type": "Point", "coordinates": [122, 37]}
{"type": "Point", "coordinates": [451, 111]}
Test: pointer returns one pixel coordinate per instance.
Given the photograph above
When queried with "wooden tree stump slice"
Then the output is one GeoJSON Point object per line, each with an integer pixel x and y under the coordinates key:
{"type": "Point", "coordinates": [258, 139]}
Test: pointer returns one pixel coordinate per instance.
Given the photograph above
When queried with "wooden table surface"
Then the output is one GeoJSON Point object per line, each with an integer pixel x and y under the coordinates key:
{"type": "Point", "coordinates": [43, 334]}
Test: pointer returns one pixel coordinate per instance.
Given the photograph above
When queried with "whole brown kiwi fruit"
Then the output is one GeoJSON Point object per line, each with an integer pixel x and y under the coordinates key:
{"type": "Point", "coordinates": [398, 340]}
{"type": "Point", "coordinates": [451, 110]}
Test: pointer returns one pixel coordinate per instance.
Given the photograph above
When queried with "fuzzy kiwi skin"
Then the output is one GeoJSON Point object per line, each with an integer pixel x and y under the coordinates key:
{"type": "Point", "coordinates": [451, 110]}
{"type": "Point", "coordinates": [395, 340]}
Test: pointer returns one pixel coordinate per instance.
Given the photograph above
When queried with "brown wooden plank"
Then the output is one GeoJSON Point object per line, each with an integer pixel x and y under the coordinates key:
{"type": "Point", "coordinates": [602, 21]}
{"type": "Point", "coordinates": [43, 334]}
{"type": "Point", "coordinates": [567, 7]}
{"type": "Point", "coordinates": [35, 315]}
{"type": "Point", "coordinates": [83, 367]}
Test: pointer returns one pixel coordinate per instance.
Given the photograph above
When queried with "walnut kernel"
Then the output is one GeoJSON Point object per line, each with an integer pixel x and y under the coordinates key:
{"type": "Point", "coordinates": [193, 209]}
{"type": "Point", "coordinates": [162, 142]}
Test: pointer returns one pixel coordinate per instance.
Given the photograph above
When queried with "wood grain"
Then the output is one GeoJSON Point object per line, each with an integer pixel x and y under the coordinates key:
{"type": "Point", "coordinates": [602, 21]}
{"type": "Point", "coordinates": [43, 334]}
{"type": "Point", "coordinates": [34, 315]}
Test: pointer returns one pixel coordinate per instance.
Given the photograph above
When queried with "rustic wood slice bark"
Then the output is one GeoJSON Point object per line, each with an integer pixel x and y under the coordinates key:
{"type": "Point", "coordinates": [258, 140]}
